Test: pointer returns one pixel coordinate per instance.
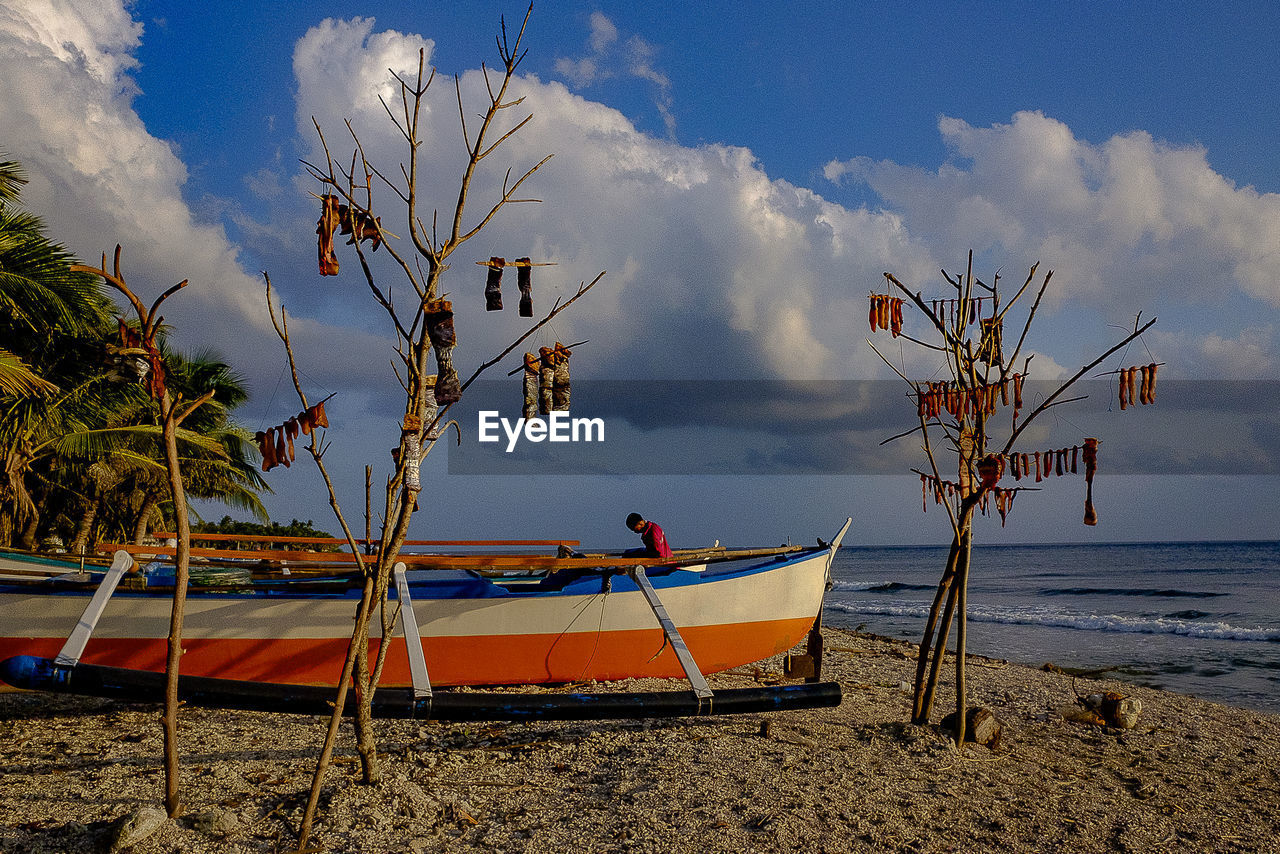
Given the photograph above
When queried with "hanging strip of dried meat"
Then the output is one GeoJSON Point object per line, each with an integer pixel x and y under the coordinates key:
{"type": "Point", "coordinates": [1090, 467]}
{"type": "Point", "coordinates": [530, 386]}
{"type": "Point", "coordinates": [546, 381]}
{"type": "Point", "coordinates": [282, 453]}
{"type": "Point", "coordinates": [360, 225]}
{"type": "Point", "coordinates": [430, 406]}
{"type": "Point", "coordinates": [524, 281]}
{"type": "Point", "coordinates": [448, 388]}
{"type": "Point", "coordinates": [560, 388]}
{"type": "Point", "coordinates": [327, 225]}
{"type": "Point", "coordinates": [493, 285]}
{"type": "Point", "coordinates": [439, 319]}
{"type": "Point", "coordinates": [261, 439]}
{"type": "Point", "coordinates": [412, 460]}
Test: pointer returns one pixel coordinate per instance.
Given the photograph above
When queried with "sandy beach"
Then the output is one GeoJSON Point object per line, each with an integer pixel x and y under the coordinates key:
{"type": "Point", "coordinates": [1191, 776]}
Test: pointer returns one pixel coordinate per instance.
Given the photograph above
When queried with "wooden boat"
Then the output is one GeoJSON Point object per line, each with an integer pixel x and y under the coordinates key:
{"type": "Point", "coordinates": [476, 620]}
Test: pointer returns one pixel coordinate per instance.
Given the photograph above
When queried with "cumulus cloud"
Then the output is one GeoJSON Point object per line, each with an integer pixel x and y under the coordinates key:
{"type": "Point", "coordinates": [713, 265]}
{"type": "Point", "coordinates": [607, 59]}
{"type": "Point", "coordinates": [98, 178]}
{"type": "Point", "coordinates": [1132, 218]}
{"type": "Point", "coordinates": [715, 268]}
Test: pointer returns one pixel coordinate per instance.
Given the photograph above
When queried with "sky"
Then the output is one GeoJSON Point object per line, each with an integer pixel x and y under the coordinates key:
{"type": "Point", "coordinates": [744, 174]}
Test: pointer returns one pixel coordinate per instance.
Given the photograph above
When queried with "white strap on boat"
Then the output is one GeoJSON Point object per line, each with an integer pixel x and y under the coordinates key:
{"type": "Point", "coordinates": [412, 640]}
{"type": "Point", "coordinates": [696, 679]}
{"type": "Point", "coordinates": [121, 563]}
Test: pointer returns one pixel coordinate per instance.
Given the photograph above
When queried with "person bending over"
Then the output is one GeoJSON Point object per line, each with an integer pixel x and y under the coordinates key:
{"type": "Point", "coordinates": [655, 541]}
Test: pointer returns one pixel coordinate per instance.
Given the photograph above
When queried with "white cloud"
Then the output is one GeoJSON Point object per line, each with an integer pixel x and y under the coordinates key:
{"type": "Point", "coordinates": [1248, 354]}
{"type": "Point", "coordinates": [98, 178]}
{"type": "Point", "coordinates": [1132, 219]}
{"type": "Point", "coordinates": [714, 266]}
{"type": "Point", "coordinates": [603, 32]}
{"type": "Point", "coordinates": [636, 59]}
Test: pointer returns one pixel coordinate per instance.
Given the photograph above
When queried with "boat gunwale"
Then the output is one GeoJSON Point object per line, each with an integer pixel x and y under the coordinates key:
{"type": "Point", "coordinates": [345, 586]}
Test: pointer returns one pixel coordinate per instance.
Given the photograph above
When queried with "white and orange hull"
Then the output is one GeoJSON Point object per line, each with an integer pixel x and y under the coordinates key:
{"type": "Point", "coordinates": [473, 632]}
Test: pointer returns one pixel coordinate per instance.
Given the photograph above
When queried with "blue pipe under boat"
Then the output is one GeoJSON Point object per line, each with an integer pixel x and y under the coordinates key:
{"type": "Point", "coordinates": [43, 674]}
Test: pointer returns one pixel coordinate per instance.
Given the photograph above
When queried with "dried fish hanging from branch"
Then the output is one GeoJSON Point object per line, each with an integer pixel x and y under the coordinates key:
{"type": "Point", "coordinates": [429, 406]}
{"type": "Point", "coordinates": [989, 350]}
{"type": "Point", "coordinates": [524, 281]}
{"type": "Point", "coordinates": [934, 398]}
{"type": "Point", "coordinates": [439, 319]}
{"type": "Point", "coordinates": [1090, 468]}
{"type": "Point", "coordinates": [943, 490]}
{"type": "Point", "coordinates": [493, 285]}
{"type": "Point", "coordinates": [531, 382]}
{"type": "Point", "coordinates": [886, 313]}
{"type": "Point", "coordinates": [140, 357]}
{"type": "Point", "coordinates": [360, 225]}
{"type": "Point", "coordinates": [409, 431]}
{"type": "Point", "coordinates": [546, 381]}
{"type": "Point", "coordinates": [330, 219]}
{"type": "Point", "coordinates": [1130, 394]}
{"type": "Point", "coordinates": [276, 443]}
{"type": "Point", "coordinates": [560, 388]}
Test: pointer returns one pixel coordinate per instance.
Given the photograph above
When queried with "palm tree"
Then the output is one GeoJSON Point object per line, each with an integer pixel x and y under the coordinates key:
{"type": "Point", "coordinates": [73, 441]}
{"type": "Point", "coordinates": [221, 467]}
{"type": "Point", "coordinates": [51, 322]}
{"type": "Point", "coordinates": [123, 489]}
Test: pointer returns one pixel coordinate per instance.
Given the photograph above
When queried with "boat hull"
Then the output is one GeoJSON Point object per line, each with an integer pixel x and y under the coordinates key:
{"type": "Point", "coordinates": [473, 632]}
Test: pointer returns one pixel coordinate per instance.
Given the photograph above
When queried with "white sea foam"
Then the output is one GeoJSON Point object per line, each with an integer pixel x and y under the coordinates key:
{"type": "Point", "coordinates": [1067, 620]}
{"type": "Point", "coordinates": [856, 586]}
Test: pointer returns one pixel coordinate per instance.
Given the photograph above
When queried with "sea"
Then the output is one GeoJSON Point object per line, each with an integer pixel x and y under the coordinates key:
{"type": "Point", "coordinates": [1195, 618]}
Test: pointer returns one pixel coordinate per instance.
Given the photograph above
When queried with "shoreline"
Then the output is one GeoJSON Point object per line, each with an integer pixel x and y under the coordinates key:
{"type": "Point", "coordinates": [1192, 775]}
{"type": "Point", "coordinates": [1125, 673]}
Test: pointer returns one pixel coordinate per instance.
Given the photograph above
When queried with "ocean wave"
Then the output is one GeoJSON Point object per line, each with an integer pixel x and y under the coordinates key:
{"type": "Point", "coordinates": [879, 586]}
{"type": "Point", "coordinates": [1131, 591]}
{"type": "Point", "coordinates": [1064, 620]}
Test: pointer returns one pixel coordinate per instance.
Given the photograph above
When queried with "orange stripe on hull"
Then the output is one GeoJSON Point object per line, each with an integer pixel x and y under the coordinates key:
{"type": "Point", "coordinates": [474, 660]}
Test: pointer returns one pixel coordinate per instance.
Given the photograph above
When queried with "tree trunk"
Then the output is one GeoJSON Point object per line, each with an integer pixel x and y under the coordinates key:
{"type": "Point", "coordinates": [919, 715]}
{"type": "Point", "coordinates": [366, 742]}
{"type": "Point", "coordinates": [366, 738]}
{"type": "Point", "coordinates": [958, 566]}
{"type": "Point", "coordinates": [149, 505]}
{"type": "Point", "coordinates": [962, 590]}
{"type": "Point", "coordinates": [29, 530]}
{"type": "Point", "coordinates": [84, 528]}
{"type": "Point", "coordinates": [331, 736]}
{"type": "Point", "coordinates": [182, 562]}
{"type": "Point", "coordinates": [939, 655]}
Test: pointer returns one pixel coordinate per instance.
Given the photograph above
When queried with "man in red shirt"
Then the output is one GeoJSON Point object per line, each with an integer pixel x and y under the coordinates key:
{"type": "Point", "coordinates": [655, 541]}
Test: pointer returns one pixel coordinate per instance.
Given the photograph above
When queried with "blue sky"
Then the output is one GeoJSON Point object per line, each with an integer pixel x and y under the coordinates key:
{"type": "Point", "coordinates": [745, 173]}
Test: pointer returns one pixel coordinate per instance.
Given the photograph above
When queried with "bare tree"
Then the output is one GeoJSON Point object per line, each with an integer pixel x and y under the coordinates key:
{"type": "Point", "coordinates": [425, 337]}
{"type": "Point", "coordinates": [959, 415]}
{"type": "Point", "coordinates": [140, 345]}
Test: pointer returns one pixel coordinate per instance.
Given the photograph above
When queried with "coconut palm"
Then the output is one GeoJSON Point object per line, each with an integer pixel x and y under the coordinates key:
{"type": "Point", "coordinates": [124, 489]}
{"type": "Point", "coordinates": [79, 448]}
